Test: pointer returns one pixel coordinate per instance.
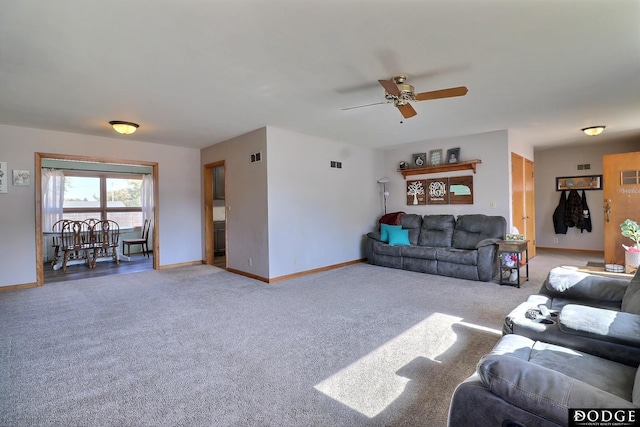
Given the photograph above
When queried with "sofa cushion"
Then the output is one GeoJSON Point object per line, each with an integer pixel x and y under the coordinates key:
{"type": "Point", "coordinates": [573, 284]}
{"type": "Point", "coordinates": [636, 389]}
{"type": "Point", "coordinates": [631, 299]}
{"type": "Point", "coordinates": [457, 256]}
{"type": "Point", "coordinates": [385, 249]}
{"type": "Point", "coordinates": [420, 252]}
{"type": "Point", "coordinates": [384, 231]}
{"type": "Point", "coordinates": [436, 231]}
{"type": "Point", "coordinates": [601, 324]}
{"type": "Point", "coordinates": [412, 222]}
{"type": "Point", "coordinates": [473, 228]}
{"type": "Point", "coordinates": [398, 237]}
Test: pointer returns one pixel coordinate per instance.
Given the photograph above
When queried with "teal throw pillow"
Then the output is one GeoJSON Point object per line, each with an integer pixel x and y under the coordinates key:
{"type": "Point", "coordinates": [399, 237]}
{"type": "Point", "coordinates": [384, 231]}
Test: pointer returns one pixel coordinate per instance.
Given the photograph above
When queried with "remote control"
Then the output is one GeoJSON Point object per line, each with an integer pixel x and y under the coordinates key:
{"type": "Point", "coordinates": [544, 310]}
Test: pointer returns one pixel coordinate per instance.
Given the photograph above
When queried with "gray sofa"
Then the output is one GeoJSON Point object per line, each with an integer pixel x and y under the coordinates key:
{"type": "Point", "coordinates": [529, 383]}
{"type": "Point", "coordinates": [583, 353]}
{"type": "Point", "coordinates": [595, 314]}
{"type": "Point", "coordinates": [441, 244]}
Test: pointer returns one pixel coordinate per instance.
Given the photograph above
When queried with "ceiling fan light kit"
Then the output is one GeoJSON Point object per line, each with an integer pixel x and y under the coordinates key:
{"type": "Point", "coordinates": [594, 130]}
{"type": "Point", "coordinates": [125, 128]}
{"type": "Point", "coordinates": [400, 93]}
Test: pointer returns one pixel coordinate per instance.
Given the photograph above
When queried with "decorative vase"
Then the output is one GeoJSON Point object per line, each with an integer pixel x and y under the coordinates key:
{"type": "Point", "coordinates": [631, 261]}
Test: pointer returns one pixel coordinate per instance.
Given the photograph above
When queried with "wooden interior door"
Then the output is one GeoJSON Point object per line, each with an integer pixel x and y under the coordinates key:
{"type": "Point", "coordinates": [530, 206]}
{"type": "Point", "coordinates": [621, 185]}
{"type": "Point", "coordinates": [523, 199]}
{"type": "Point", "coordinates": [209, 227]}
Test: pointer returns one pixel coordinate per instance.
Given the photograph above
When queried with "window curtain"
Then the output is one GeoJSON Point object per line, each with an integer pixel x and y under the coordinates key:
{"type": "Point", "coordinates": [147, 197]}
{"type": "Point", "coordinates": [52, 197]}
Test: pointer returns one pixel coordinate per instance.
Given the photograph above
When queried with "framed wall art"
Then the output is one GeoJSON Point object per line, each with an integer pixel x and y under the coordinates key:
{"type": "Point", "coordinates": [461, 190]}
{"type": "Point", "coordinates": [588, 182]}
{"type": "Point", "coordinates": [453, 155]}
{"type": "Point", "coordinates": [3, 177]}
{"type": "Point", "coordinates": [435, 157]}
{"type": "Point", "coordinates": [420, 160]}
{"type": "Point", "coordinates": [21, 177]}
{"type": "Point", "coordinates": [416, 194]}
{"type": "Point", "coordinates": [438, 191]}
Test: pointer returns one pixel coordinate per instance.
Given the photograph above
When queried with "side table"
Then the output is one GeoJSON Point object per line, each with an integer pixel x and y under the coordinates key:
{"type": "Point", "coordinates": [517, 247]}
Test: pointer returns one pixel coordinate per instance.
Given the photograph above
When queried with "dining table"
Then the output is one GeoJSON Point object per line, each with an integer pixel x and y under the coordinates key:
{"type": "Point", "coordinates": [60, 260]}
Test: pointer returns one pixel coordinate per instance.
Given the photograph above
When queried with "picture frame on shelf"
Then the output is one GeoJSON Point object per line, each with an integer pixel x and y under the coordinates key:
{"type": "Point", "coordinates": [419, 160]}
{"type": "Point", "coordinates": [403, 165]}
{"type": "Point", "coordinates": [435, 157]}
{"type": "Point", "coordinates": [453, 155]}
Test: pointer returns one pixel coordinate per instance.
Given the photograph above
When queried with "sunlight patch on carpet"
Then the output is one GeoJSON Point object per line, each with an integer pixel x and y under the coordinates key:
{"type": "Point", "coordinates": [371, 383]}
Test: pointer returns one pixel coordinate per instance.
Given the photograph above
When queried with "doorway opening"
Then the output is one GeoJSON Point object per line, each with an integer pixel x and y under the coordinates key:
{"type": "Point", "coordinates": [44, 268]}
{"type": "Point", "coordinates": [215, 227]}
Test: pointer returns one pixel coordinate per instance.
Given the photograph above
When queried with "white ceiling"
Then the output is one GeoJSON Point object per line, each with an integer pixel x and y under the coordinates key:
{"type": "Point", "coordinates": [197, 72]}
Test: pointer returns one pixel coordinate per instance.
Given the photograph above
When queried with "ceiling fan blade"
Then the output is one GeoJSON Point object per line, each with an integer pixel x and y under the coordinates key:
{"type": "Point", "coordinates": [442, 93]}
{"type": "Point", "coordinates": [390, 87]}
{"type": "Point", "coordinates": [407, 110]}
{"type": "Point", "coordinates": [366, 105]}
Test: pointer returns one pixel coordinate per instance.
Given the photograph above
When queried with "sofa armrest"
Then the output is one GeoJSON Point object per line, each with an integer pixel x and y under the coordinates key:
{"type": "Point", "coordinates": [375, 235]}
{"type": "Point", "coordinates": [601, 324]}
{"type": "Point", "coordinates": [574, 284]}
{"type": "Point", "coordinates": [540, 390]}
{"type": "Point", "coordinates": [487, 242]}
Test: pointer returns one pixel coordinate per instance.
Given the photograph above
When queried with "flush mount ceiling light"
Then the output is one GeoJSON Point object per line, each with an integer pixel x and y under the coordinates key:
{"type": "Point", "coordinates": [593, 130]}
{"type": "Point", "coordinates": [125, 128]}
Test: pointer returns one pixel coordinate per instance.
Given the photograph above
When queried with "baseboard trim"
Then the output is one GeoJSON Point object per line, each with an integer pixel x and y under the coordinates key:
{"type": "Point", "coordinates": [180, 264]}
{"type": "Point", "coordinates": [18, 287]}
{"type": "Point", "coordinates": [584, 251]}
{"type": "Point", "coordinates": [295, 275]}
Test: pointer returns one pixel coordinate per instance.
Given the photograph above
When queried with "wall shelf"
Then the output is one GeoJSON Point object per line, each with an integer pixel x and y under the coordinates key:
{"type": "Point", "coordinates": [446, 167]}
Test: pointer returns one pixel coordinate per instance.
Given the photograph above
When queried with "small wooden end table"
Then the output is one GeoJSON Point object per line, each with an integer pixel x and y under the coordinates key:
{"type": "Point", "coordinates": [514, 247]}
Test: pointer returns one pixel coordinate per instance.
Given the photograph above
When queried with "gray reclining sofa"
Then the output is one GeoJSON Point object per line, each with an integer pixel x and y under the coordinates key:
{"type": "Point", "coordinates": [583, 353]}
{"type": "Point", "coordinates": [441, 244]}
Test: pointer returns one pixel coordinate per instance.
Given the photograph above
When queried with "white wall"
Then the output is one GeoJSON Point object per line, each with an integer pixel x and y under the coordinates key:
{"type": "Point", "coordinates": [180, 194]}
{"type": "Point", "coordinates": [490, 183]}
{"type": "Point", "coordinates": [563, 161]}
{"type": "Point", "coordinates": [318, 215]}
{"type": "Point", "coordinates": [246, 199]}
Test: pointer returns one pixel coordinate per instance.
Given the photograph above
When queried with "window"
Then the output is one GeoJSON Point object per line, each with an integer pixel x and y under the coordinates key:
{"type": "Point", "coordinates": [103, 196]}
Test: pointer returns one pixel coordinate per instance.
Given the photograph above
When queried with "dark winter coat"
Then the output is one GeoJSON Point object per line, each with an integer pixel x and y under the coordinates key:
{"type": "Point", "coordinates": [586, 215]}
{"type": "Point", "coordinates": [558, 215]}
{"type": "Point", "coordinates": [573, 211]}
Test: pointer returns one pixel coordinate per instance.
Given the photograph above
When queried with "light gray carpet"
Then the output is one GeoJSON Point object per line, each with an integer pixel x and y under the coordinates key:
{"type": "Point", "coordinates": [198, 346]}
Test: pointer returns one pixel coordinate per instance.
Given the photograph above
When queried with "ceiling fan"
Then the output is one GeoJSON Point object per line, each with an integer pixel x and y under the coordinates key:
{"type": "Point", "coordinates": [400, 93]}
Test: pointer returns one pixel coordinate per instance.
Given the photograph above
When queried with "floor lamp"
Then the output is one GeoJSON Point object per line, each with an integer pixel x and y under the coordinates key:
{"type": "Point", "coordinates": [385, 193]}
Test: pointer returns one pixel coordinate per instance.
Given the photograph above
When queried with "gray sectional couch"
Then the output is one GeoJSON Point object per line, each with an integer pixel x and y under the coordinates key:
{"type": "Point", "coordinates": [583, 354]}
{"type": "Point", "coordinates": [463, 247]}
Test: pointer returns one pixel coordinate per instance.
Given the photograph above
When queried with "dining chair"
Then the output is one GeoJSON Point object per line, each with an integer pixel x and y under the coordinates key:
{"type": "Point", "coordinates": [74, 242]}
{"type": "Point", "coordinates": [143, 240]}
{"type": "Point", "coordinates": [105, 240]}
{"type": "Point", "coordinates": [56, 240]}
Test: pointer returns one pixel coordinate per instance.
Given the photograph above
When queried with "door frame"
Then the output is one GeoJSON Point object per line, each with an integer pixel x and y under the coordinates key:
{"type": "Point", "coordinates": [523, 210]}
{"type": "Point", "coordinates": [209, 246]}
{"type": "Point", "coordinates": [38, 189]}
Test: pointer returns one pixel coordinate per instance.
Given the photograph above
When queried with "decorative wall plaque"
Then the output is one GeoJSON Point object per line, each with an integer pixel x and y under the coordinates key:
{"type": "Point", "coordinates": [416, 192]}
{"type": "Point", "coordinates": [438, 191]}
{"type": "Point", "coordinates": [461, 190]}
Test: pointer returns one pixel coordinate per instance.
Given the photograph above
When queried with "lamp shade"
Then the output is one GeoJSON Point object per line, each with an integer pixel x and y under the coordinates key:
{"type": "Point", "coordinates": [383, 180]}
{"type": "Point", "coordinates": [593, 130]}
{"type": "Point", "coordinates": [125, 128]}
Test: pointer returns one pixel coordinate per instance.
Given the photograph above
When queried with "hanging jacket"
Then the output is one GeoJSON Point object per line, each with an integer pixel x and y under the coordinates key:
{"type": "Point", "coordinates": [558, 215]}
{"type": "Point", "coordinates": [586, 215]}
{"type": "Point", "coordinates": [573, 211]}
